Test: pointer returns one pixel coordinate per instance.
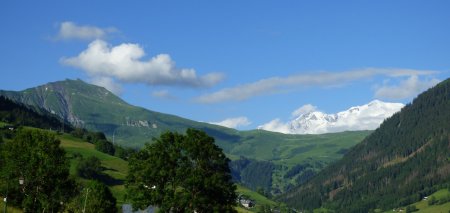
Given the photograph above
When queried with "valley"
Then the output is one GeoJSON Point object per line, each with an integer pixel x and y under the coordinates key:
{"type": "Point", "coordinates": [283, 167]}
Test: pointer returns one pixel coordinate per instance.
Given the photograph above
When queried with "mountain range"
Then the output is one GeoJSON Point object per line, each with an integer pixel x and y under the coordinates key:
{"type": "Point", "coordinates": [310, 121]}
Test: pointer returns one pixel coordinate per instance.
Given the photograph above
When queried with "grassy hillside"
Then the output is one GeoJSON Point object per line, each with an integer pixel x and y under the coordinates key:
{"type": "Point", "coordinates": [114, 167]}
{"type": "Point", "coordinates": [292, 149]}
{"type": "Point", "coordinates": [423, 206]}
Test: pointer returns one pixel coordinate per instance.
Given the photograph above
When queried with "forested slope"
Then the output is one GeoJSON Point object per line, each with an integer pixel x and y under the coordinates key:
{"type": "Point", "coordinates": [406, 158]}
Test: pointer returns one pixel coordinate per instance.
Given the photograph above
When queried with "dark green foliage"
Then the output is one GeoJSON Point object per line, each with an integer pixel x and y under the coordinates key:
{"type": "Point", "coordinates": [18, 114]}
{"type": "Point", "coordinates": [305, 176]}
{"type": "Point", "coordinates": [79, 133]}
{"type": "Point", "coordinates": [252, 173]}
{"type": "Point", "coordinates": [411, 208]}
{"type": "Point", "coordinates": [432, 201]}
{"type": "Point", "coordinates": [89, 168]}
{"type": "Point", "coordinates": [36, 157]}
{"type": "Point", "coordinates": [258, 174]}
{"type": "Point", "coordinates": [237, 166]}
{"type": "Point", "coordinates": [97, 138]}
{"type": "Point", "coordinates": [124, 153]}
{"type": "Point", "coordinates": [405, 159]}
{"type": "Point", "coordinates": [295, 170]}
{"type": "Point", "coordinates": [443, 200]}
{"type": "Point", "coordinates": [105, 147]}
{"type": "Point", "coordinates": [97, 197]}
{"type": "Point", "coordinates": [181, 173]}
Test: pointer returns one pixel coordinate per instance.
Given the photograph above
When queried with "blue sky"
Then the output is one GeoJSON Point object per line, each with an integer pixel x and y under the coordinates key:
{"type": "Point", "coordinates": [210, 61]}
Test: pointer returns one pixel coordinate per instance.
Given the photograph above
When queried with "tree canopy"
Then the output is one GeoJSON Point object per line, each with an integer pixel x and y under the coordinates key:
{"type": "Point", "coordinates": [35, 157]}
{"type": "Point", "coordinates": [95, 197]}
{"type": "Point", "coordinates": [181, 173]}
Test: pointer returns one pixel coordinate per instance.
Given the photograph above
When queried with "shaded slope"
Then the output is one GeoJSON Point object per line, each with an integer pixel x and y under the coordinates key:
{"type": "Point", "coordinates": [20, 115]}
{"type": "Point", "coordinates": [406, 158]}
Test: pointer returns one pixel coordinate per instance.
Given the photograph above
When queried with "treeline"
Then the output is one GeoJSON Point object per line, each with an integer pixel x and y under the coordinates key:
{"type": "Point", "coordinates": [17, 114]}
{"type": "Point", "coordinates": [405, 159]}
{"type": "Point", "coordinates": [102, 144]}
{"type": "Point", "coordinates": [252, 173]}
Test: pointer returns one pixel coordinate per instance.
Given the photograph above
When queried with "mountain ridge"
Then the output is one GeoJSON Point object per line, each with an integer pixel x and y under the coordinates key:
{"type": "Point", "coordinates": [93, 107]}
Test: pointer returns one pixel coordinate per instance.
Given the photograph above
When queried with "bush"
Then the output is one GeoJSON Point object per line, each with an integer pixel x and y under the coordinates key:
{"type": "Point", "coordinates": [103, 202]}
{"type": "Point", "coordinates": [104, 146]}
{"type": "Point", "coordinates": [432, 201]}
{"type": "Point", "coordinates": [411, 208]}
{"type": "Point", "coordinates": [123, 153]}
{"type": "Point", "coordinates": [89, 168]}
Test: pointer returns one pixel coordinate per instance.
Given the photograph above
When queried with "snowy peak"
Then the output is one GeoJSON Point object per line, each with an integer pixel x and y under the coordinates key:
{"type": "Point", "coordinates": [365, 117]}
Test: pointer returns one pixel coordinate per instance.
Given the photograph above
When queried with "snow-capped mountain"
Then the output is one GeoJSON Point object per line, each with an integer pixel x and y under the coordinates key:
{"type": "Point", "coordinates": [365, 117]}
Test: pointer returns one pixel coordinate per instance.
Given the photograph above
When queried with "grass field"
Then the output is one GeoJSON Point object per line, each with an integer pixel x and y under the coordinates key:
{"type": "Point", "coordinates": [114, 167]}
{"type": "Point", "coordinates": [259, 199]}
{"type": "Point", "coordinates": [423, 206]}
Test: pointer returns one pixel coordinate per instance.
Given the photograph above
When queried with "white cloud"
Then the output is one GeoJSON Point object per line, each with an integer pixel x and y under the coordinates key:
{"type": "Point", "coordinates": [163, 94]}
{"type": "Point", "coordinates": [365, 117]}
{"type": "Point", "coordinates": [271, 85]}
{"type": "Point", "coordinates": [125, 63]}
{"type": "Point", "coordinates": [406, 89]}
{"type": "Point", "coordinates": [303, 110]}
{"type": "Point", "coordinates": [233, 122]}
{"type": "Point", "coordinates": [276, 125]}
{"type": "Point", "coordinates": [70, 30]}
{"type": "Point", "coordinates": [108, 83]}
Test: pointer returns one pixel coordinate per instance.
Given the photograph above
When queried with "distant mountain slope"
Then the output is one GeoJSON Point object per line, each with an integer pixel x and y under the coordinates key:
{"type": "Point", "coordinates": [95, 108]}
{"type": "Point", "coordinates": [406, 158]}
{"type": "Point", "coordinates": [365, 117]}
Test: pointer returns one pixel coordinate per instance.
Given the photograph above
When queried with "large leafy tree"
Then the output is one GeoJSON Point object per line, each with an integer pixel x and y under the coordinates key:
{"type": "Point", "coordinates": [35, 157]}
{"type": "Point", "coordinates": [95, 197]}
{"type": "Point", "coordinates": [181, 173]}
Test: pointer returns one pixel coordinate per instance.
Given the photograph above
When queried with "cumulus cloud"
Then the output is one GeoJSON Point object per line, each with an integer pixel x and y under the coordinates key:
{"type": "Point", "coordinates": [108, 83]}
{"type": "Point", "coordinates": [303, 110]}
{"type": "Point", "coordinates": [407, 88]}
{"type": "Point", "coordinates": [233, 122]}
{"type": "Point", "coordinates": [125, 63]}
{"type": "Point", "coordinates": [271, 85]}
{"type": "Point", "coordinates": [163, 94]}
{"type": "Point", "coordinates": [276, 125]}
{"type": "Point", "coordinates": [70, 30]}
